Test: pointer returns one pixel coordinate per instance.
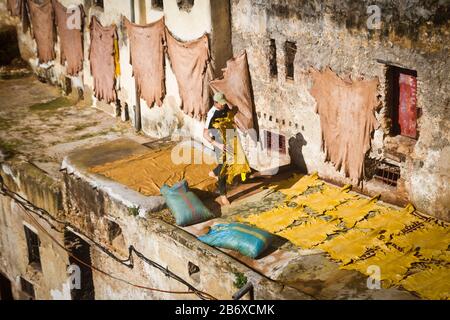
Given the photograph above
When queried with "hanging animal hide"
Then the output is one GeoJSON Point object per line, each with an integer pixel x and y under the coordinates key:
{"type": "Point", "coordinates": [19, 8]}
{"type": "Point", "coordinates": [14, 7]}
{"type": "Point", "coordinates": [101, 55]}
{"type": "Point", "coordinates": [347, 118]}
{"type": "Point", "coordinates": [147, 58]}
{"type": "Point", "coordinates": [43, 29]}
{"type": "Point", "coordinates": [236, 87]}
{"type": "Point", "coordinates": [71, 39]}
{"type": "Point", "coordinates": [190, 62]}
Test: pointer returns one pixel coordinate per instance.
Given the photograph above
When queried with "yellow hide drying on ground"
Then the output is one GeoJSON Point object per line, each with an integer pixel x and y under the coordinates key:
{"type": "Point", "coordinates": [146, 173]}
{"type": "Point", "coordinates": [326, 199]}
{"type": "Point", "coordinates": [410, 250]}
{"type": "Point", "coordinates": [355, 210]}
{"type": "Point", "coordinates": [350, 245]}
{"type": "Point", "coordinates": [430, 241]}
{"type": "Point", "coordinates": [276, 219]}
{"type": "Point", "coordinates": [302, 185]}
{"type": "Point", "coordinates": [310, 233]}
{"type": "Point", "coordinates": [393, 265]}
{"type": "Point", "coordinates": [432, 283]}
{"type": "Point", "coordinates": [235, 162]}
{"type": "Point", "coordinates": [390, 221]}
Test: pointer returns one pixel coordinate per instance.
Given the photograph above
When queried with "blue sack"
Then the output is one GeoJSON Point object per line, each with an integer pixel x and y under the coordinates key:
{"type": "Point", "coordinates": [185, 206]}
{"type": "Point", "coordinates": [249, 241]}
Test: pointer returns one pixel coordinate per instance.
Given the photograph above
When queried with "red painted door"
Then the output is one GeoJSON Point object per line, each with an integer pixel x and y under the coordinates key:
{"type": "Point", "coordinates": [407, 109]}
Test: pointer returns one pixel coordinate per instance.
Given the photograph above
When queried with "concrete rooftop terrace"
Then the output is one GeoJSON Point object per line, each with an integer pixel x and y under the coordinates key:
{"type": "Point", "coordinates": [39, 126]}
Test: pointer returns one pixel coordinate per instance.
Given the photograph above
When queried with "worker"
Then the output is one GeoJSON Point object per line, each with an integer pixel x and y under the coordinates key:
{"type": "Point", "coordinates": [220, 109]}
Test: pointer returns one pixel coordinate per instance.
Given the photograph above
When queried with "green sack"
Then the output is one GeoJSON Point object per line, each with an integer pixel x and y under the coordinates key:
{"type": "Point", "coordinates": [185, 206]}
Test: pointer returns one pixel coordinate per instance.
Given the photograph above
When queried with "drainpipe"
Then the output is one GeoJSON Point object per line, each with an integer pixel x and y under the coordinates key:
{"type": "Point", "coordinates": [137, 107]}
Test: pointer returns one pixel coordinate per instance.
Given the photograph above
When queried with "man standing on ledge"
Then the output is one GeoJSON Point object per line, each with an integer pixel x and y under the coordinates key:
{"type": "Point", "coordinates": [220, 110]}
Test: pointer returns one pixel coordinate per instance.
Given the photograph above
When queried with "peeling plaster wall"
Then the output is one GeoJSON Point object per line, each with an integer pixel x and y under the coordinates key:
{"type": "Point", "coordinates": [334, 33]}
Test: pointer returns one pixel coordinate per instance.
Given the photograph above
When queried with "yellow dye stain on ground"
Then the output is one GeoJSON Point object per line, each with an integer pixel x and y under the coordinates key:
{"type": "Point", "coordinates": [354, 210]}
{"type": "Point", "coordinates": [390, 221]}
{"type": "Point", "coordinates": [146, 173]}
{"type": "Point", "coordinates": [392, 265]}
{"type": "Point", "coordinates": [432, 283]}
{"type": "Point", "coordinates": [326, 199]}
{"type": "Point", "coordinates": [350, 245]}
{"type": "Point", "coordinates": [302, 185]}
{"type": "Point", "coordinates": [310, 233]}
{"type": "Point", "coordinates": [431, 241]}
{"type": "Point", "coordinates": [276, 219]}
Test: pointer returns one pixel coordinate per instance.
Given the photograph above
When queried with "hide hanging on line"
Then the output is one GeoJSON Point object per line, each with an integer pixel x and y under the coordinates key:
{"type": "Point", "coordinates": [71, 39]}
{"type": "Point", "coordinates": [190, 61]}
{"type": "Point", "coordinates": [19, 8]}
{"type": "Point", "coordinates": [147, 44]}
{"type": "Point", "coordinates": [42, 16]}
{"type": "Point", "coordinates": [102, 56]}
{"type": "Point", "coordinates": [341, 104]}
{"type": "Point", "coordinates": [236, 86]}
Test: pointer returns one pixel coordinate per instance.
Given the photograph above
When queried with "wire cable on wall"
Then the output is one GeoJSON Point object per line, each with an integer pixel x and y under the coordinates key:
{"type": "Point", "coordinates": [30, 208]}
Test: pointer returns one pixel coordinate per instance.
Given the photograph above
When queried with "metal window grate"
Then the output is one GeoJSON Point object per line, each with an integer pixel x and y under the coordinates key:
{"type": "Point", "coordinates": [387, 173]}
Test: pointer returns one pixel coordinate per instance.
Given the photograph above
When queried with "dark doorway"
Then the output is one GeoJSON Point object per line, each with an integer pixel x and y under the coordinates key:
{"type": "Point", "coordinates": [80, 251]}
{"type": "Point", "coordinates": [9, 49]}
{"type": "Point", "coordinates": [5, 288]}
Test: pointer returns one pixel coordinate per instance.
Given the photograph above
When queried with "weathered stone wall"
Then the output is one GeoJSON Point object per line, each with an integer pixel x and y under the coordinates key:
{"type": "Point", "coordinates": [413, 35]}
{"type": "Point", "coordinates": [51, 282]}
{"type": "Point", "coordinates": [99, 215]}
